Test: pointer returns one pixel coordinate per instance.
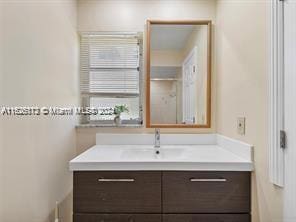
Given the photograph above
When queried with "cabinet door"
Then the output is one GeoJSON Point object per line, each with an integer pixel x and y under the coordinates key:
{"type": "Point", "coordinates": [207, 218]}
{"type": "Point", "coordinates": [206, 192]}
{"type": "Point", "coordinates": [116, 218]}
{"type": "Point", "coordinates": [117, 192]}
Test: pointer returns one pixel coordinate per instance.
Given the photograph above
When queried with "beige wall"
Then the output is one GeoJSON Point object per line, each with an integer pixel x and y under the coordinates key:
{"type": "Point", "coordinates": [131, 16]}
{"type": "Point", "coordinates": [40, 67]}
{"type": "Point", "coordinates": [242, 60]}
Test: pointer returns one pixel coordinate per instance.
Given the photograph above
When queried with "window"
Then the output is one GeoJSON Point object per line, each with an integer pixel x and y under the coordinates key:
{"type": "Point", "coordinates": [111, 72]}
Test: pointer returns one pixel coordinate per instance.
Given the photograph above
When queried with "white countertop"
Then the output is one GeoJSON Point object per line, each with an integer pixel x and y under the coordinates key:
{"type": "Point", "coordinates": [220, 154]}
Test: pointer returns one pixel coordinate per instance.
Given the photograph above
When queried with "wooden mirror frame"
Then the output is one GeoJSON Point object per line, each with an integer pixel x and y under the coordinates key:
{"type": "Point", "coordinates": [209, 71]}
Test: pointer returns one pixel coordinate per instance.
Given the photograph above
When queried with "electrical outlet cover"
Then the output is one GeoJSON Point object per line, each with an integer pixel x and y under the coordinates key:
{"type": "Point", "coordinates": [241, 125]}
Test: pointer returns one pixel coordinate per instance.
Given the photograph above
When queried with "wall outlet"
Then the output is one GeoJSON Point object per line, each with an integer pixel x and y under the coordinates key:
{"type": "Point", "coordinates": [241, 125]}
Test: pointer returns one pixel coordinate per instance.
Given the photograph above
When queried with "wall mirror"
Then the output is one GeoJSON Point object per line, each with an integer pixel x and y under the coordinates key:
{"type": "Point", "coordinates": [178, 74]}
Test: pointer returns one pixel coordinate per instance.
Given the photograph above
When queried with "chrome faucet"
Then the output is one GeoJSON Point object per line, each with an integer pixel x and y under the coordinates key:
{"type": "Point", "coordinates": [157, 138]}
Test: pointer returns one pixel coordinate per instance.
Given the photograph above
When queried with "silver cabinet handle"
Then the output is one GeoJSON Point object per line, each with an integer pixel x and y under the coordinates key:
{"type": "Point", "coordinates": [207, 180]}
{"type": "Point", "coordinates": [116, 180]}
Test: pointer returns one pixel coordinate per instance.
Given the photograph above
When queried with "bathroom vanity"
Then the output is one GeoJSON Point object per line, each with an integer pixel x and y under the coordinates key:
{"type": "Point", "coordinates": [194, 178]}
{"type": "Point", "coordinates": [183, 177]}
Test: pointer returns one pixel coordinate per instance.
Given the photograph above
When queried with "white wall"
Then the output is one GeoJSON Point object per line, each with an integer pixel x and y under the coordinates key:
{"type": "Point", "coordinates": [40, 68]}
{"type": "Point", "coordinates": [242, 59]}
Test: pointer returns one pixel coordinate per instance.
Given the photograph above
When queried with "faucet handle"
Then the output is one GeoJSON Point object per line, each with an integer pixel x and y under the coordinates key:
{"type": "Point", "coordinates": [157, 139]}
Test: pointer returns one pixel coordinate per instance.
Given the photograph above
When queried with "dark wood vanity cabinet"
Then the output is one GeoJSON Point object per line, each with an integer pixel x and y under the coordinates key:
{"type": "Point", "coordinates": [206, 218]}
{"type": "Point", "coordinates": [206, 192]}
{"type": "Point", "coordinates": [117, 192]}
{"type": "Point", "coordinates": [117, 217]}
{"type": "Point", "coordinates": [169, 196]}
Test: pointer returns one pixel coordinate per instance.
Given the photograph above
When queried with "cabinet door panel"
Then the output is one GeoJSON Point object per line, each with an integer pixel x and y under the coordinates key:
{"type": "Point", "coordinates": [116, 218]}
{"type": "Point", "coordinates": [207, 218]}
{"type": "Point", "coordinates": [117, 192]}
{"type": "Point", "coordinates": [206, 192]}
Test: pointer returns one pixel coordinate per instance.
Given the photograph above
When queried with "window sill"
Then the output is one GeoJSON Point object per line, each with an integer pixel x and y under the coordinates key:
{"type": "Point", "coordinates": [97, 125]}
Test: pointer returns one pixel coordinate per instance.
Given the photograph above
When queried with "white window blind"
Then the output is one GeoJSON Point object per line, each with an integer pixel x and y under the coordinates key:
{"type": "Point", "coordinates": [109, 64]}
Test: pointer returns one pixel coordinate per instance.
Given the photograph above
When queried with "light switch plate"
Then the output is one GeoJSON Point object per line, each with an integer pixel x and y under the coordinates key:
{"type": "Point", "coordinates": [241, 125]}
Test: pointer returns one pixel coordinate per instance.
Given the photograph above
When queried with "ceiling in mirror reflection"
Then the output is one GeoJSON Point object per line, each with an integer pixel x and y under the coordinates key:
{"type": "Point", "coordinates": [170, 37]}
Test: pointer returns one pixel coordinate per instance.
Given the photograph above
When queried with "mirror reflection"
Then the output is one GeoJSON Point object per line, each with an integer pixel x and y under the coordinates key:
{"type": "Point", "coordinates": [179, 74]}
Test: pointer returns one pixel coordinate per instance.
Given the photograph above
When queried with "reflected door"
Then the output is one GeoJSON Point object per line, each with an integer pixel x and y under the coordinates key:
{"type": "Point", "coordinates": [189, 88]}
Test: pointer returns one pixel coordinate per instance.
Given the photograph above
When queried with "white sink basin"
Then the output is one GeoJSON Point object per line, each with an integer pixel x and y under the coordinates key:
{"type": "Point", "coordinates": [139, 154]}
{"type": "Point", "coordinates": [173, 153]}
{"type": "Point", "coordinates": [177, 152]}
{"type": "Point", "coordinates": [153, 153]}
